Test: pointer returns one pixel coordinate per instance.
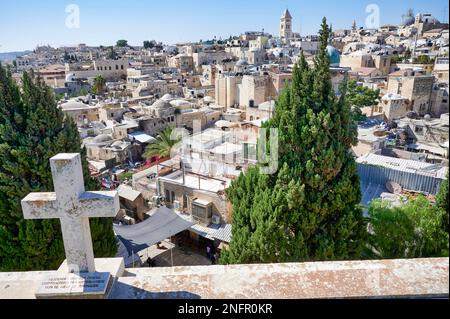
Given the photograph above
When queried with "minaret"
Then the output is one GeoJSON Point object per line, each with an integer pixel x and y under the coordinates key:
{"type": "Point", "coordinates": [286, 26]}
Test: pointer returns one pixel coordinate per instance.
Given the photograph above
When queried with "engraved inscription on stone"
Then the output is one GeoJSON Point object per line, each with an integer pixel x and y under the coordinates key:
{"type": "Point", "coordinates": [73, 284]}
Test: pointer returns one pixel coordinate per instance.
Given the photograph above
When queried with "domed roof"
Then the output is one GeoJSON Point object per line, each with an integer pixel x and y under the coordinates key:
{"type": "Point", "coordinates": [161, 104]}
{"type": "Point", "coordinates": [429, 19]}
{"type": "Point", "coordinates": [180, 103]}
{"type": "Point", "coordinates": [70, 77]}
{"type": "Point", "coordinates": [408, 20]}
{"type": "Point", "coordinates": [334, 55]}
{"type": "Point", "coordinates": [241, 62]}
{"type": "Point", "coordinates": [167, 97]}
{"type": "Point", "coordinates": [73, 104]}
{"type": "Point", "coordinates": [102, 138]}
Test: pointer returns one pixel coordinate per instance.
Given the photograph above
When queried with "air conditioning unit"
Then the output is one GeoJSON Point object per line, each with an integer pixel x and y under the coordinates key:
{"type": "Point", "coordinates": [216, 219]}
{"type": "Point", "coordinates": [176, 205]}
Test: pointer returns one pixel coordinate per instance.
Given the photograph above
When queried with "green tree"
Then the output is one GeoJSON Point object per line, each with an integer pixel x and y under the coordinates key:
{"type": "Point", "coordinates": [112, 54]}
{"type": "Point", "coordinates": [359, 96]}
{"type": "Point", "coordinates": [411, 230]}
{"type": "Point", "coordinates": [407, 54]}
{"type": "Point", "coordinates": [162, 145]}
{"type": "Point", "coordinates": [122, 43]}
{"type": "Point", "coordinates": [32, 130]}
{"type": "Point", "coordinates": [149, 44]}
{"type": "Point", "coordinates": [308, 209]}
{"type": "Point", "coordinates": [423, 59]}
{"type": "Point", "coordinates": [442, 202]}
{"type": "Point", "coordinates": [99, 85]}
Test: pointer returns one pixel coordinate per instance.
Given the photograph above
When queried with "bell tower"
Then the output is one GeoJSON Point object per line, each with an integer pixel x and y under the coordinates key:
{"type": "Point", "coordinates": [286, 26]}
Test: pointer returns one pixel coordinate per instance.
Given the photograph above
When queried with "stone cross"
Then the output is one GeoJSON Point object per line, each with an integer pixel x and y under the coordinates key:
{"type": "Point", "coordinates": [73, 206]}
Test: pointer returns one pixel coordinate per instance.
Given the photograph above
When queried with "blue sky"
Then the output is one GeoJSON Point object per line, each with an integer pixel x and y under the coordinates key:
{"type": "Point", "coordinates": [25, 24]}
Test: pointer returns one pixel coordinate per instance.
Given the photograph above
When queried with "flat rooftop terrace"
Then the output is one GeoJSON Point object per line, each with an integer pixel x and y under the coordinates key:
{"type": "Point", "coordinates": [197, 182]}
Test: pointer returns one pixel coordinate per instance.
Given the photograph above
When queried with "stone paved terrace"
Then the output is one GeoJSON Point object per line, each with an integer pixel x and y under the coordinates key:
{"type": "Point", "coordinates": [347, 279]}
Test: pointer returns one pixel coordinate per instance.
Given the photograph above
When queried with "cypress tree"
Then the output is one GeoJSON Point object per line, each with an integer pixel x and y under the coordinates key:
{"type": "Point", "coordinates": [442, 202]}
{"type": "Point", "coordinates": [309, 209]}
{"type": "Point", "coordinates": [32, 130]}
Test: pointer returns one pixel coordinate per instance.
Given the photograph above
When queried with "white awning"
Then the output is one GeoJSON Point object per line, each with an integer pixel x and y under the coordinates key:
{"type": "Point", "coordinates": [141, 137]}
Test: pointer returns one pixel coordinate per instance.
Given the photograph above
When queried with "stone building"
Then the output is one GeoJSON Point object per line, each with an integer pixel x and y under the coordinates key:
{"type": "Point", "coordinates": [414, 86]}
{"type": "Point", "coordinates": [110, 69]}
{"type": "Point", "coordinates": [393, 106]}
{"type": "Point", "coordinates": [132, 201]}
{"type": "Point", "coordinates": [286, 26]}
{"type": "Point", "coordinates": [441, 69]}
{"type": "Point", "coordinates": [361, 59]}
{"type": "Point", "coordinates": [80, 112]}
{"type": "Point", "coordinates": [182, 62]}
{"type": "Point", "coordinates": [104, 147]}
{"type": "Point", "coordinates": [439, 99]}
{"type": "Point", "coordinates": [226, 90]}
{"type": "Point", "coordinates": [252, 90]}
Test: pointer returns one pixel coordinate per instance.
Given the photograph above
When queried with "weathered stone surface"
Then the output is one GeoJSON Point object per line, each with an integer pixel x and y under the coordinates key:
{"type": "Point", "coordinates": [339, 279]}
{"type": "Point", "coordinates": [114, 266]}
{"type": "Point", "coordinates": [73, 206]}
{"type": "Point", "coordinates": [428, 277]}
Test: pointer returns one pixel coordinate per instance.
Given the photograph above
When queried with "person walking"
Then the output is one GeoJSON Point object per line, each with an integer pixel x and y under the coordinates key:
{"type": "Point", "coordinates": [208, 252]}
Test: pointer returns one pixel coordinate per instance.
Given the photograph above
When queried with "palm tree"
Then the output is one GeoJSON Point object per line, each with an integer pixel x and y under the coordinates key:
{"type": "Point", "coordinates": [162, 145]}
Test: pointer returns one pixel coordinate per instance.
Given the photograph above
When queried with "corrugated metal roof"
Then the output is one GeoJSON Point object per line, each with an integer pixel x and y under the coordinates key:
{"type": "Point", "coordinates": [223, 233]}
{"type": "Point", "coordinates": [407, 166]}
{"type": "Point", "coordinates": [203, 231]}
{"type": "Point", "coordinates": [411, 175]}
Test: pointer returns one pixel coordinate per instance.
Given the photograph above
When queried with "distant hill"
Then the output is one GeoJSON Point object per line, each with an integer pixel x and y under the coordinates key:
{"type": "Point", "coordinates": [9, 56]}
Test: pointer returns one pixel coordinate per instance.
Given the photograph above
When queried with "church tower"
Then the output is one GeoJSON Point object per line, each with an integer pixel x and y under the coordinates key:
{"type": "Point", "coordinates": [286, 26]}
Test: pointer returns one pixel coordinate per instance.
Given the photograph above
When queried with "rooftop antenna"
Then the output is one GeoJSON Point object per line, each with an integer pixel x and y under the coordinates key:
{"type": "Point", "coordinates": [444, 19]}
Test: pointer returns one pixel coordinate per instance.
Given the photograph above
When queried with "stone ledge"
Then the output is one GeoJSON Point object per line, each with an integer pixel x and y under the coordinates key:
{"type": "Point", "coordinates": [427, 277]}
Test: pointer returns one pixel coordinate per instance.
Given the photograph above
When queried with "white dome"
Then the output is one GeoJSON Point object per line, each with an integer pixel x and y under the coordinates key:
{"type": "Point", "coordinates": [102, 138]}
{"type": "Point", "coordinates": [161, 104]}
{"type": "Point", "coordinates": [167, 97]}
{"type": "Point", "coordinates": [180, 103]}
{"type": "Point", "coordinates": [241, 62]}
{"type": "Point", "coordinates": [70, 77]}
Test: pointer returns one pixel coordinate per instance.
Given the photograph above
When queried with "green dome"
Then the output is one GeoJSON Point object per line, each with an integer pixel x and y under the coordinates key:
{"type": "Point", "coordinates": [334, 55]}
